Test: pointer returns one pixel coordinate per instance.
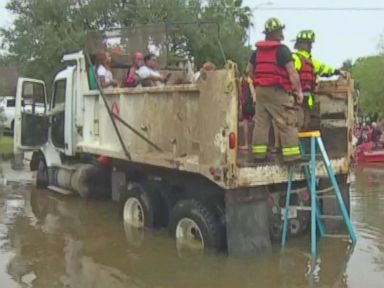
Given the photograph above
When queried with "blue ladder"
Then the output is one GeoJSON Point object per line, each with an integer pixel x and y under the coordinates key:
{"type": "Point", "coordinates": [310, 170]}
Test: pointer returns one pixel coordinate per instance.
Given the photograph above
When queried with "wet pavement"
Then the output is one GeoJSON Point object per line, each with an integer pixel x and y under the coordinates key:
{"type": "Point", "coordinates": [48, 240]}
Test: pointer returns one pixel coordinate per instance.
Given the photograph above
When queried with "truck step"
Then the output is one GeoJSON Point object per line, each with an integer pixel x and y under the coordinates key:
{"type": "Point", "coordinates": [60, 190]}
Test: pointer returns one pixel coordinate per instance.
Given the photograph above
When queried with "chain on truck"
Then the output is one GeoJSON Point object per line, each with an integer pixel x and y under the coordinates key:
{"type": "Point", "coordinates": [168, 155]}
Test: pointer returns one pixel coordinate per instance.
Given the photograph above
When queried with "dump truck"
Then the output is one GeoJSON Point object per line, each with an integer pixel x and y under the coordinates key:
{"type": "Point", "coordinates": [169, 155]}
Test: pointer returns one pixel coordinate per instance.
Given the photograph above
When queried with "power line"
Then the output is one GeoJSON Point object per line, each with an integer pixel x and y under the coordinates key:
{"type": "Point", "coordinates": [375, 9]}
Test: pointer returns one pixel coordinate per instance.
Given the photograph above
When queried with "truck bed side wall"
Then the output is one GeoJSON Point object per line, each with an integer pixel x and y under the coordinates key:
{"type": "Point", "coordinates": [336, 101]}
{"type": "Point", "coordinates": [189, 123]}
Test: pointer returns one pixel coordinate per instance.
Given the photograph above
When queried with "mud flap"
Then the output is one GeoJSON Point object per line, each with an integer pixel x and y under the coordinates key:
{"type": "Point", "coordinates": [330, 205]}
{"type": "Point", "coordinates": [247, 222]}
{"type": "Point", "coordinates": [119, 185]}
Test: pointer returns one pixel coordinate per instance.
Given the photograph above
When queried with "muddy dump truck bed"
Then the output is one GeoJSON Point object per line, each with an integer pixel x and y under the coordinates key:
{"type": "Point", "coordinates": [195, 128]}
{"type": "Point", "coordinates": [333, 115]}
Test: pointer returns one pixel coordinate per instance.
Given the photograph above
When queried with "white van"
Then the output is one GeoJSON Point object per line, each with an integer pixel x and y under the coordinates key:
{"type": "Point", "coordinates": [7, 117]}
{"type": "Point", "coordinates": [7, 103]}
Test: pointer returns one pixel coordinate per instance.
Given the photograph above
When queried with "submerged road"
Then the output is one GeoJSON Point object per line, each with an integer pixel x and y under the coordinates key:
{"type": "Point", "coordinates": [47, 240]}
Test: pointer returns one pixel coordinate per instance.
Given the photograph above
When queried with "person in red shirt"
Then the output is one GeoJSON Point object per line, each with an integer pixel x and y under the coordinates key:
{"type": "Point", "coordinates": [138, 61]}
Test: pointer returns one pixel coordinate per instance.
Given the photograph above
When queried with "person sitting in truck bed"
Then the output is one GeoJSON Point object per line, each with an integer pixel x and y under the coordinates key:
{"type": "Point", "coordinates": [92, 78]}
{"type": "Point", "coordinates": [104, 73]}
{"type": "Point", "coordinates": [207, 68]}
{"type": "Point", "coordinates": [138, 61]}
{"type": "Point", "coordinates": [148, 74]}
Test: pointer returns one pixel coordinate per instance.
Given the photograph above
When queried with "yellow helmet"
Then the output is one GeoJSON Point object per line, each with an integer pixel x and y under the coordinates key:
{"type": "Point", "coordinates": [273, 24]}
{"type": "Point", "coordinates": [305, 36]}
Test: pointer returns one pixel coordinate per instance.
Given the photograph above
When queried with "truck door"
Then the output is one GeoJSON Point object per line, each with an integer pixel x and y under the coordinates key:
{"type": "Point", "coordinates": [31, 120]}
{"type": "Point", "coordinates": [62, 110]}
{"type": "Point", "coordinates": [58, 114]}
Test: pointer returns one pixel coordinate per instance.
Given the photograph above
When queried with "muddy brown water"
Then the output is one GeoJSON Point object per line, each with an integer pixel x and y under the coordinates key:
{"type": "Point", "coordinates": [47, 240]}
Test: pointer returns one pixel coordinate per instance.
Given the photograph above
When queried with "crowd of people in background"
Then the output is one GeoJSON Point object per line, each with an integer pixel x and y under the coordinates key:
{"type": "Point", "coordinates": [370, 132]}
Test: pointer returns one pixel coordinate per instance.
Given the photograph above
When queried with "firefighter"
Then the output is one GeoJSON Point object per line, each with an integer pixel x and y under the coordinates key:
{"type": "Point", "coordinates": [276, 81]}
{"type": "Point", "coordinates": [309, 69]}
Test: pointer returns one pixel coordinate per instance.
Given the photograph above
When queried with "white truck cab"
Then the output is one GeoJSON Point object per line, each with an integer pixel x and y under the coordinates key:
{"type": "Point", "coordinates": [54, 129]}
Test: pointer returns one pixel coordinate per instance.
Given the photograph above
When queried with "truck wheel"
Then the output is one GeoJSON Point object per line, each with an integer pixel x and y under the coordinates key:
{"type": "Point", "coordinates": [42, 174]}
{"type": "Point", "coordinates": [138, 207]}
{"type": "Point", "coordinates": [195, 227]}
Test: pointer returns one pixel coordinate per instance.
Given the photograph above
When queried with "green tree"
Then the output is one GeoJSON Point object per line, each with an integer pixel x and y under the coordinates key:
{"type": "Point", "coordinates": [45, 29]}
{"type": "Point", "coordinates": [5, 88]}
{"type": "Point", "coordinates": [367, 73]}
{"type": "Point", "coordinates": [41, 32]}
{"type": "Point", "coordinates": [347, 65]}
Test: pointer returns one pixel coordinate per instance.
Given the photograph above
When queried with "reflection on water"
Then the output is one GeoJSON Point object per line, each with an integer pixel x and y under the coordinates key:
{"type": "Point", "coordinates": [368, 215]}
{"type": "Point", "coordinates": [51, 241]}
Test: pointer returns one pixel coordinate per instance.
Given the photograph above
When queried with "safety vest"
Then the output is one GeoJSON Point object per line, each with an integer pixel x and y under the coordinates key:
{"type": "Point", "coordinates": [307, 74]}
{"type": "Point", "coordinates": [267, 71]}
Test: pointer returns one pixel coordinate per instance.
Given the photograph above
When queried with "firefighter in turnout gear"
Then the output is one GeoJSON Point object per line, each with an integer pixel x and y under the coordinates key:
{"type": "Point", "coordinates": [309, 69]}
{"type": "Point", "coordinates": [276, 81]}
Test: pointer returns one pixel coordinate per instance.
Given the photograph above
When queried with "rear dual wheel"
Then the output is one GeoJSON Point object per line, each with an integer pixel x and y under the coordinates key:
{"type": "Point", "coordinates": [133, 213]}
{"type": "Point", "coordinates": [195, 227]}
{"type": "Point", "coordinates": [138, 211]}
{"type": "Point", "coordinates": [193, 224]}
{"type": "Point", "coordinates": [139, 207]}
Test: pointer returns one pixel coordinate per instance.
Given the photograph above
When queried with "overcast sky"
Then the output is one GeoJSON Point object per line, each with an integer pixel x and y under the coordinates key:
{"type": "Point", "coordinates": [5, 18]}
{"type": "Point", "coordinates": [339, 34]}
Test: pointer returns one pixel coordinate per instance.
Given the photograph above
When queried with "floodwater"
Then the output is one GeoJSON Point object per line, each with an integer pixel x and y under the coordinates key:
{"type": "Point", "coordinates": [47, 240]}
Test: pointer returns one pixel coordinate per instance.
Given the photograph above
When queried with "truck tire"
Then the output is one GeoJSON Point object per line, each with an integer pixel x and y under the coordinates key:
{"type": "Point", "coordinates": [195, 227]}
{"type": "Point", "coordinates": [139, 207]}
{"type": "Point", "coordinates": [42, 174]}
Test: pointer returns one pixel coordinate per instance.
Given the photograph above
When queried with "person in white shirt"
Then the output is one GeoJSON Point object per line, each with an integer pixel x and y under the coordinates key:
{"type": "Point", "coordinates": [148, 74]}
{"type": "Point", "coordinates": [204, 71]}
{"type": "Point", "coordinates": [104, 73]}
